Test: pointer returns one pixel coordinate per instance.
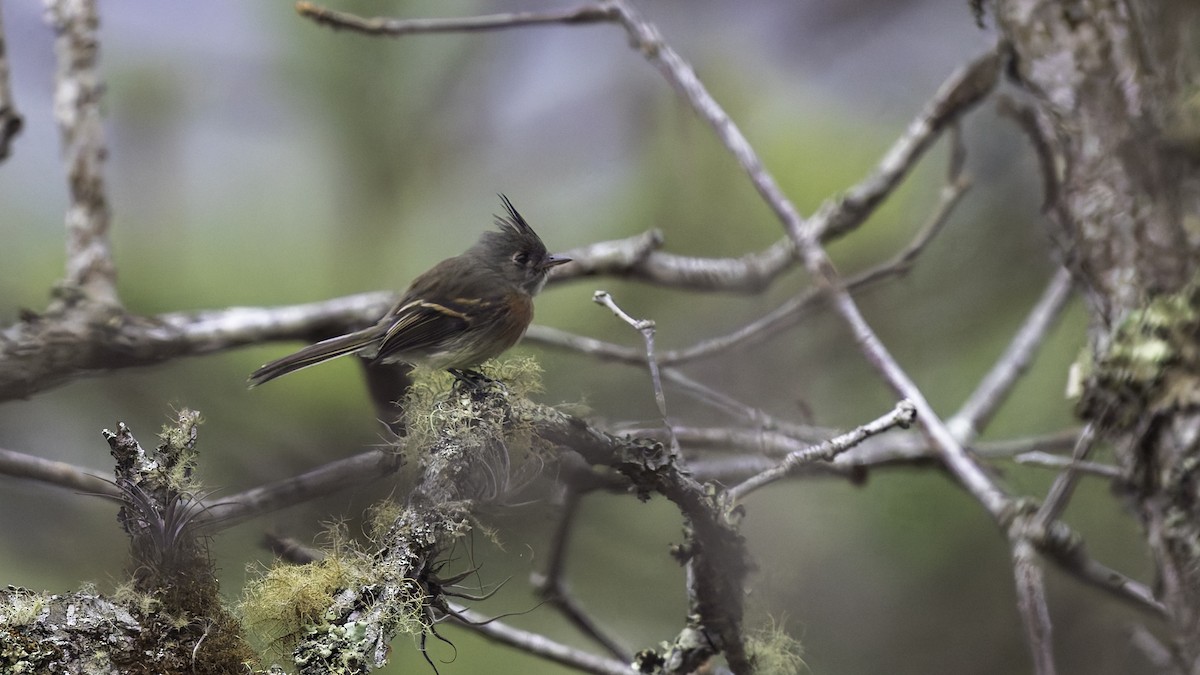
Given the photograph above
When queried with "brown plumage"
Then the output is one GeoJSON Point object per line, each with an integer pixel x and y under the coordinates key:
{"type": "Point", "coordinates": [462, 312]}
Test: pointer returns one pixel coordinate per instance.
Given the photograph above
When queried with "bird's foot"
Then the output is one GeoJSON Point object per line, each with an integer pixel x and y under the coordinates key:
{"type": "Point", "coordinates": [473, 379]}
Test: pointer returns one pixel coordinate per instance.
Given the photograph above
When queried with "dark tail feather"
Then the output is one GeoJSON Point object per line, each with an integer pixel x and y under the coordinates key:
{"type": "Point", "coordinates": [312, 355]}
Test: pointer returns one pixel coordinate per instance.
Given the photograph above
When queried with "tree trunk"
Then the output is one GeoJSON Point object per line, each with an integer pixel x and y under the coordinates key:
{"type": "Point", "coordinates": [1115, 89]}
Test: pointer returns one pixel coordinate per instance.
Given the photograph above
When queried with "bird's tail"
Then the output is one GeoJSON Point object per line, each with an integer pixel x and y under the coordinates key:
{"type": "Point", "coordinates": [314, 354]}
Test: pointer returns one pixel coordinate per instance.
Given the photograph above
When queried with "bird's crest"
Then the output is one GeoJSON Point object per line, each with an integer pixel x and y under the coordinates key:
{"type": "Point", "coordinates": [513, 222]}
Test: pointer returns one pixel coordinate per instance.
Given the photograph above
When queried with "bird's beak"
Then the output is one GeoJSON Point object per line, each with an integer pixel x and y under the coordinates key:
{"type": "Point", "coordinates": [554, 261]}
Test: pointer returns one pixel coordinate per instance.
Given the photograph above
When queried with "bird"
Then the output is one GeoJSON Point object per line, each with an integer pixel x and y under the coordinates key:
{"type": "Point", "coordinates": [461, 312]}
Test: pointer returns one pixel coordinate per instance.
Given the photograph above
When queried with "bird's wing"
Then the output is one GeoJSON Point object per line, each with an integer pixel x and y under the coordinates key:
{"type": "Point", "coordinates": [420, 325]}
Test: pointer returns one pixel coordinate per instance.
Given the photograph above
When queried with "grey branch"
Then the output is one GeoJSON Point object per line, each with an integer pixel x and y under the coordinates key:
{"type": "Point", "coordinates": [1031, 602]}
{"type": "Point", "coordinates": [536, 644]}
{"type": "Point", "coordinates": [10, 120]}
{"type": "Point", "coordinates": [784, 316]}
{"type": "Point", "coordinates": [1049, 461]}
{"type": "Point", "coordinates": [1064, 484]}
{"type": "Point", "coordinates": [979, 408]}
{"type": "Point", "coordinates": [646, 328]}
{"type": "Point", "coordinates": [77, 109]}
{"type": "Point", "coordinates": [966, 87]}
{"type": "Point", "coordinates": [62, 474]}
{"type": "Point", "coordinates": [44, 351]}
{"type": "Point", "coordinates": [360, 469]}
{"type": "Point", "coordinates": [640, 258]}
{"type": "Point", "coordinates": [397, 27]}
{"type": "Point", "coordinates": [963, 90]}
{"type": "Point", "coordinates": [901, 416]}
{"type": "Point", "coordinates": [552, 586]}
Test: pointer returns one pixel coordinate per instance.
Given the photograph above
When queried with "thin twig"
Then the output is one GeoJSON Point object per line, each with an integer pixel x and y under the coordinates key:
{"type": "Point", "coordinates": [1065, 547]}
{"type": "Point", "coordinates": [784, 316]}
{"type": "Point", "coordinates": [1031, 601]}
{"type": "Point", "coordinates": [717, 399]}
{"type": "Point", "coordinates": [646, 328]}
{"type": "Point", "coordinates": [1060, 491]}
{"type": "Point", "coordinates": [536, 644]}
{"type": "Point", "coordinates": [1158, 654]}
{"type": "Point", "coordinates": [77, 94]}
{"type": "Point", "coordinates": [796, 308]}
{"type": "Point", "coordinates": [962, 90]}
{"type": "Point", "coordinates": [966, 87]}
{"type": "Point", "coordinates": [1059, 441]}
{"type": "Point", "coordinates": [761, 442]}
{"type": "Point", "coordinates": [395, 27]}
{"type": "Point", "coordinates": [61, 474]}
{"type": "Point", "coordinates": [327, 478]}
{"type": "Point", "coordinates": [553, 589]}
{"type": "Point", "coordinates": [1049, 461]}
{"type": "Point", "coordinates": [994, 388]}
{"type": "Point", "coordinates": [901, 416]}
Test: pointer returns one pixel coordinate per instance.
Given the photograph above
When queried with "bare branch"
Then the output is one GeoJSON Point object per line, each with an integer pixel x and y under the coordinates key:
{"type": "Point", "coordinates": [77, 108]}
{"type": "Point", "coordinates": [397, 27]}
{"type": "Point", "coordinates": [62, 474]}
{"type": "Point", "coordinates": [901, 416]}
{"type": "Point", "coordinates": [1031, 601]}
{"type": "Point", "coordinates": [548, 336]}
{"type": "Point", "coordinates": [338, 475]}
{"type": "Point", "coordinates": [964, 88]}
{"type": "Point", "coordinates": [10, 120]}
{"type": "Point", "coordinates": [1060, 491]}
{"type": "Point", "coordinates": [979, 408]}
{"type": "Point", "coordinates": [552, 588]}
{"type": "Point", "coordinates": [1158, 654]}
{"type": "Point", "coordinates": [206, 332]}
{"type": "Point", "coordinates": [639, 258]}
{"type": "Point", "coordinates": [1049, 461]}
{"type": "Point", "coordinates": [756, 447]}
{"type": "Point", "coordinates": [768, 444]}
{"type": "Point", "coordinates": [291, 550]}
{"type": "Point", "coordinates": [796, 309]}
{"type": "Point", "coordinates": [42, 352]}
{"type": "Point", "coordinates": [537, 644]}
{"type": "Point", "coordinates": [1057, 542]}
{"type": "Point", "coordinates": [1060, 441]}
{"type": "Point", "coordinates": [646, 328]}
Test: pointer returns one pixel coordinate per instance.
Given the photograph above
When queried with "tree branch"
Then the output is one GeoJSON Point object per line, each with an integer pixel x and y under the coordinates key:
{"type": "Point", "coordinates": [398, 27]}
{"type": "Point", "coordinates": [983, 403]}
{"type": "Point", "coordinates": [62, 474]}
{"type": "Point", "coordinates": [902, 416]}
{"type": "Point", "coordinates": [78, 88]}
{"type": "Point", "coordinates": [536, 644]}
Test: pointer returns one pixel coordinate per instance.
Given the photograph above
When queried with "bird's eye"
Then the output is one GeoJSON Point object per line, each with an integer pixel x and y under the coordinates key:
{"type": "Point", "coordinates": [520, 258]}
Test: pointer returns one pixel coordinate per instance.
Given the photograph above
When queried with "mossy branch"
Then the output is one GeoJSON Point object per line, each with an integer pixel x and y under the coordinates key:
{"type": "Point", "coordinates": [471, 442]}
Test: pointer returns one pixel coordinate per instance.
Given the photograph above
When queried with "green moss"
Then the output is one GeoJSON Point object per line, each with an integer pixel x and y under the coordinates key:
{"type": "Point", "coordinates": [290, 602]}
{"type": "Point", "coordinates": [494, 453]}
{"type": "Point", "coordinates": [22, 609]}
{"type": "Point", "coordinates": [1151, 363]}
{"type": "Point", "coordinates": [177, 450]}
{"type": "Point", "coordinates": [774, 652]}
{"type": "Point", "coordinates": [286, 600]}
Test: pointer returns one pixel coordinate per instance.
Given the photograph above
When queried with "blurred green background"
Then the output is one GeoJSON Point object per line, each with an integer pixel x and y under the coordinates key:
{"type": "Point", "coordinates": [257, 159]}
